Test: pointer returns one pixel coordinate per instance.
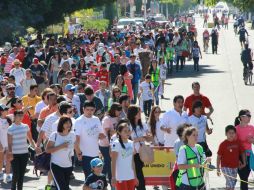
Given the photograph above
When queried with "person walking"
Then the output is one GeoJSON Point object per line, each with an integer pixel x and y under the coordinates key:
{"type": "Point", "coordinates": [196, 54]}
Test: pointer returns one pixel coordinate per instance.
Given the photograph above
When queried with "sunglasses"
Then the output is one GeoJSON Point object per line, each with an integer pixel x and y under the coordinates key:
{"type": "Point", "coordinates": [3, 84]}
{"type": "Point", "coordinates": [11, 89]}
{"type": "Point", "coordinates": [247, 115]}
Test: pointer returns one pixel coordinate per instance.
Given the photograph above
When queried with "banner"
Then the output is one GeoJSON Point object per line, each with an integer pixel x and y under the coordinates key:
{"type": "Point", "coordinates": [158, 172]}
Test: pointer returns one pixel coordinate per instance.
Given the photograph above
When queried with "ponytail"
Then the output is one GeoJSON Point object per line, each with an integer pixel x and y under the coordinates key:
{"type": "Point", "coordinates": [121, 141]}
{"type": "Point", "coordinates": [237, 121]}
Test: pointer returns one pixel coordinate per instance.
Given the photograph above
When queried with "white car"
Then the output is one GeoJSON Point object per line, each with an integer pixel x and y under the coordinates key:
{"type": "Point", "coordinates": [125, 22]}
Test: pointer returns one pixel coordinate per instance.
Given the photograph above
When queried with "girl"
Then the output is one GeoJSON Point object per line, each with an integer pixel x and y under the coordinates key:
{"type": "Point", "coordinates": [147, 93]}
{"type": "Point", "coordinates": [139, 134]}
{"type": "Point", "coordinates": [245, 134]}
{"type": "Point", "coordinates": [116, 93]}
{"type": "Point", "coordinates": [54, 66]}
{"type": "Point", "coordinates": [5, 122]}
{"type": "Point", "coordinates": [127, 79]}
{"type": "Point", "coordinates": [121, 84]}
{"type": "Point", "coordinates": [109, 123]}
{"type": "Point", "coordinates": [154, 71]}
{"type": "Point", "coordinates": [195, 54]}
{"type": "Point", "coordinates": [155, 126]}
{"type": "Point", "coordinates": [123, 167]}
{"type": "Point", "coordinates": [163, 76]}
{"type": "Point", "coordinates": [27, 82]}
{"type": "Point", "coordinates": [60, 146]}
{"type": "Point", "coordinates": [18, 134]}
{"type": "Point", "coordinates": [189, 160]}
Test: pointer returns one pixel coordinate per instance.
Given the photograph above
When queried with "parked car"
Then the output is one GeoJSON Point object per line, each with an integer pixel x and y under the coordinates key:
{"type": "Point", "coordinates": [157, 21]}
{"type": "Point", "coordinates": [125, 22]}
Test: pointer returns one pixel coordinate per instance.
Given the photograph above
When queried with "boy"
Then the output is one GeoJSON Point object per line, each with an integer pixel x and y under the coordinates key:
{"type": "Point", "coordinates": [96, 180]}
{"type": "Point", "coordinates": [228, 157]}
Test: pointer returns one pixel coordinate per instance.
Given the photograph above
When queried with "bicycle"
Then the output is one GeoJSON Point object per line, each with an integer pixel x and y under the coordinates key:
{"type": "Point", "coordinates": [247, 76]}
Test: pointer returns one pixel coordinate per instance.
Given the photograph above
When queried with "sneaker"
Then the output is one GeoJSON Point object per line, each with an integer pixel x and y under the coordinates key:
{"type": "Point", "coordinates": [1, 176]}
{"type": "Point", "coordinates": [162, 97]}
{"type": "Point", "coordinates": [8, 178]}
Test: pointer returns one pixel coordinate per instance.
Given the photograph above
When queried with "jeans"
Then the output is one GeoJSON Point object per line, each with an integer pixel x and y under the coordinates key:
{"type": "Point", "coordinates": [181, 59]}
{"type": "Point", "coordinates": [147, 105]}
{"type": "Point", "coordinates": [18, 165]}
{"type": "Point", "coordinates": [61, 176]}
{"type": "Point", "coordinates": [170, 66]}
{"type": "Point", "coordinates": [139, 166]}
{"type": "Point", "coordinates": [86, 165]}
{"type": "Point", "coordinates": [244, 174]}
{"type": "Point", "coordinates": [107, 162]}
{"type": "Point", "coordinates": [196, 65]}
{"type": "Point", "coordinates": [135, 92]}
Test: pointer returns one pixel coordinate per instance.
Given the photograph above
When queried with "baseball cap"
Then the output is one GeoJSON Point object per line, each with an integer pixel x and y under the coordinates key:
{"type": "Point", "coordinates": [96, 162]}
{"type": "Point", "coordinates": [69, 87]}
{"type": "Point", "coordinates": [3, 107]}
{"type": "Point", "coordinates": [10, 85]}
{"type": "Point", "coordinates": [35, 60]}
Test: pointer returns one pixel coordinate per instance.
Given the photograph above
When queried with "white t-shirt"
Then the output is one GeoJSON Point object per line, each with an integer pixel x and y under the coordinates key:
{"type": "Point", "coordinates": [88, 129]}
{"type": "Point", "coordinates": [3, 132]}
{"type": "Point", "coordinates": [200, 123]}
{"type": "Point", "coordinates": [48, 123]}
{"type": "Point", "coordinates": [69, 60]}
{"type": "Point", "coordinates": [62, 157]}
{"type": "Point", "coordinates": [163, 72]}
{"type": "Point", "coordinates": [124, 168]}
{"type": "Point", "coordinates": [71, 29]}
{"type": "Point", "coordinates": [147, 90]}
{"type": "Point", "coordinates": [26, 85]}
{"type": "Point", "coordinates": [173, 119]}
{"type": "Point", "coordinates": [20, 74]}
{"type": "Point", "coordinates": [139, 133]}
{"type": "Point", "coordinates": [39, 106]}
{"type": "Point", "coordinates": [159, 138]}
{"type": "Point", "coordinates": [181, 159]}
{"type": "Point", "coordinates": [89, 58]}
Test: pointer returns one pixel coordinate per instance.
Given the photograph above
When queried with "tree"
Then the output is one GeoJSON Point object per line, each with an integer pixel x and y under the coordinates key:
{"type": "Point", "coordinates": [16, 16]}
{"type": "Point", "coordinates": [243, 5]}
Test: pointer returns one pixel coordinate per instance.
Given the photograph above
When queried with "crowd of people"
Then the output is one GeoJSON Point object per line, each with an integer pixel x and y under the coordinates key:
{"type": "Point", "coordinates": [80, 98]}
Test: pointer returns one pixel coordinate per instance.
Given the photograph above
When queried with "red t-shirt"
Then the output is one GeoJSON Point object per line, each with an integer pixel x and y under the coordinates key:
{"type": "Point", "coordinates": [103, 76]}
{"type": "Point", "coordinates": [192, 98]}
{"type": "Point", "coordinates": [230, 153]}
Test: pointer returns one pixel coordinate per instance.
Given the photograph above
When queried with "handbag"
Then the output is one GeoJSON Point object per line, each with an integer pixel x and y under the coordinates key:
{"type": "Point", "coordinates": [42, 162]}
{"type": "Point", "coordinates": [185, 53]}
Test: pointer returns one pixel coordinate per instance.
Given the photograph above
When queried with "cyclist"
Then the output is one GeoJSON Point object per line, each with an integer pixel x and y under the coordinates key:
{"type": "Point", "coordinates": [206, 37]}
{"type": "Point", "coordinates": [242, 37]}
{"type": "Point", "coordinates": [246, 58]}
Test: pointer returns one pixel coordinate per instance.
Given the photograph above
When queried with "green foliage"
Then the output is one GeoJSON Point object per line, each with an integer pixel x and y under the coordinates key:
{"type": "Point", "coordinates": [100, 24]}
{"type": "Point", "coordinates": [243, 5]}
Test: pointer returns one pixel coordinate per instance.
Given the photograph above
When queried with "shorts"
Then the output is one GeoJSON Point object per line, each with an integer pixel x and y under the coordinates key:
{"type": "Point", "coordinates": [230, 182]}
{"type": "Point", "coordinates": [242, 39]}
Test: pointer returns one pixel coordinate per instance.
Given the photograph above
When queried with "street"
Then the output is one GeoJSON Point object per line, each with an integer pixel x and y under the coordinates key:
{"type": "Point", "coordinates": [221, 81]}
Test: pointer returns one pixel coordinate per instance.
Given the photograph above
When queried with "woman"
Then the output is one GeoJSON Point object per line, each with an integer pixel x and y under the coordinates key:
{"type": "Point", "coordinates": [139, 134]}
{"type": "Point", "coordinates": [195, 54]}
{"type": "Point", "coordinates": [82, 66]}
{"type": "Point", "coordinates": [62, 72]}
{"type": "Point", "coordinates": [60, 146]}
{"type": "Point", "coordinates": [109, 123]}
{"type": "Point", "coordinates": [17, 104]}
{"type": "Point", "coordinates": [245, 134]}
{"type": "Point", "coordinates": [154, 71]}
{"type": "Point", "coordinates": [27, 82]}
{"type": "Point", "coordinates": [116, 93]}
{"type": "Point", "coordinates": [123, 167]}
{"type": "Point", "coordinates": [179, 57]}
{"type": "Point", "coordinates": [18, 134]}
{"type": "Point", "coordinates": [190, 158]}
{"type": "Point", "coordinates": [154, 125]}
{"type": "Point", "coordinates": [54, 66]}
{"type": "Point", "coordinates": [127, 79]}
{"type": "Point", "coordinates": [121, 84]}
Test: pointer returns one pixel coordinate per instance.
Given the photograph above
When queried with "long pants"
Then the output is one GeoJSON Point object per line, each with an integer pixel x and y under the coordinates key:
{"type": "Point", "coordinates": [147, 106]}
{"type": "Point", "coordinates": [86, 165]}
{"type": "Point", "coordinates": [214, 47]}
{"type": "Point", "coordinates": [126, 185]}
{"type": "Point", "coordinates": [244, 174]}
{"type": "Point", "coordinates": [107, 162]}
{"type": "Point", "coordinates": [135, 92]}
{"type": "Point", "coordinates": [179, 59]}
{"type": "Point", "coordinates": [61, 176]}
{"type": "Point", "coordinates": [18, 164]}
{"type": "Point", "coordinates": [196, 65]}
{"type": "Point", "coordinates": [170, 66]}
{"type": "Point", "coordinates": [139, 166]}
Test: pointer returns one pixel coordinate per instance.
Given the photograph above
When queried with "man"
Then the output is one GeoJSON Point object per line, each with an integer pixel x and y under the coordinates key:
{"type": "Point", "coordinates": [172, 119]}
{"type": "Point", "coordinates": [10, 89]}
{"type": "Point", "coordinates": [135, 69]}
{"type": "Point", "coordinates": [215, 39]}
{"type": "Point", "coordinates": [88, 131]}
{"type": "Point", "coordinates": [114, 69]}
{"type": "Point", "coordinates": [197, 96]}
{"type": "Point", "coordinates": [18, 72]}
{"type": "Point", "coordinates": [124, 101]}
{"type": "Point", "coordinates": [39, 74]}
{"type": "Point", "coordinates": [18, 88]}
{"type": "Point", "coordinates": [43, 103]}
{"type": "Point", "coordinates": [242, 37]}
{"type": "Point", "coordinates": [66, 58]}
{"type": "Point", "coordinates": [246, 58]}
{"type": "Point", "coordinates": [72, 98]}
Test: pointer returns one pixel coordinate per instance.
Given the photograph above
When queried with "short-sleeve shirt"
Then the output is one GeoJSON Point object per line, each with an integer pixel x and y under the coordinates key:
{"type": "Point", "coordinates": [139, 132]}
{"type": "Point", "coordinates": [28, 101]}
{"type": "Point", "coordinates": [47, 124]}
{"type": "Point", "coordinates": [114, 71]}
{"type": "Point", "coordinates": [190, 100]}
{"type": "Point", "coordinates": [96, 182]}
{"type": "Point", "coordinates": [37, 73]}
{"type": "Point", "coordinates": [230, 152]}
{"type": "Point", "coordinates": [243, 135]}
{"type": "Point", "coordinates": [147, 90]}
{"type": "Point", "coordinates": [47, 111]}
{"type": "Point", "coordinates": [19, 138]}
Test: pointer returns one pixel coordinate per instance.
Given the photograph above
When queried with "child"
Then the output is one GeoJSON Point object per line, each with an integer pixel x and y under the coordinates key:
{"type": "Point", "coordinates": [170, 51]}
{"type": "Point", "coordinates": [96, 180]}
{"type": "Point", "coordinates": [122, 155]}
{"type": "Point", "coordinates": [228, 157]}
{"type": "Point", "coordinates": [146, 91]}
{"type": "Point", "coordinates": [196, 54]}
{"type": "Point", "coordinates": [163, 76]}
{"type": "Point", "coordinates": [5, 122]}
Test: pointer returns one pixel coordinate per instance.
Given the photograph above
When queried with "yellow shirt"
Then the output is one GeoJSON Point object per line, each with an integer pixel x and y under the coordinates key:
{"type": "Point", "coordinates": [29, 101]}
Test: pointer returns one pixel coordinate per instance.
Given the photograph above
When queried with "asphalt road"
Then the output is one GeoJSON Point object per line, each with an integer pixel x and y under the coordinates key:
{"type": "Point", "coordinates": [220, 77]}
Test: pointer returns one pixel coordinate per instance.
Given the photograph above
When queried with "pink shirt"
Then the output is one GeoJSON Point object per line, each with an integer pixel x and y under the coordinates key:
{"type": "Point", "coordinates": [107, 123]}
{"type": "Point", "coordinates": [128, 84]}
{"type": "Point", "coordinates": [243, 135]}
{"type": "Point", "coordinates": [94, 84]}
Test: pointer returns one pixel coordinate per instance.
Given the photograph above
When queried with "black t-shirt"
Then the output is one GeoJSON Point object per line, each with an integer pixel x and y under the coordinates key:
{"type": "Point", "coordinates": [38, 73]}
{"type": "Point", "coordinates": [96, 182]}
{"type": "Point", "coordinates": [114, 71]}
